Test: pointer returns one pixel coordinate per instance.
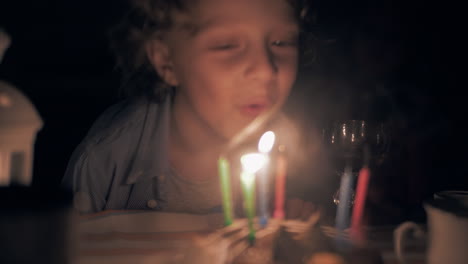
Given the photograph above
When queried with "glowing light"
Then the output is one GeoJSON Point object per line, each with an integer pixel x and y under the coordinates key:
{"type": "Point", "coordinates": [266, 142]}
{"type": "Point", "coordinates": [253, 162]}
{"type": "Point", "coordinates": [5, 100]}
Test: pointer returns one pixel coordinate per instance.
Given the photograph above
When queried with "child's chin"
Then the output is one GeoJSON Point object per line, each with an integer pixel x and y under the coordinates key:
{"type": "Point", "coordinates": [232, 131]}
{"type": "Point", "coordinates": [235, 130]}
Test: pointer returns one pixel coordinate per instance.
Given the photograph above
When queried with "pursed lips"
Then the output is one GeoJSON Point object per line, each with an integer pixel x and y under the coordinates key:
{"type": "Point", "coordinates": [254, 108]}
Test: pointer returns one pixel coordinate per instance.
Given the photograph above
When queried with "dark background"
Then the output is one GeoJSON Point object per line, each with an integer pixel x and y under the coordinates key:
{"type": "Point", "coordinates": [60, 59]}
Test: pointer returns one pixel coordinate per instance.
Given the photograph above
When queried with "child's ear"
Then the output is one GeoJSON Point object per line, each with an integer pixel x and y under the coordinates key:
{"type": "Point", "coordinates": [159, 55]}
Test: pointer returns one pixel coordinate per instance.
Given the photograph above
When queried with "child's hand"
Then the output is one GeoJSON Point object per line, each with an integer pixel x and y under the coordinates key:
{"type": "Point", "coordinates": [299, 209]}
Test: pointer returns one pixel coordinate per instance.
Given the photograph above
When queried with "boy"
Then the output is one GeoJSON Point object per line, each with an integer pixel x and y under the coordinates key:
{"type": "Point", "coordinates": [200, 72]}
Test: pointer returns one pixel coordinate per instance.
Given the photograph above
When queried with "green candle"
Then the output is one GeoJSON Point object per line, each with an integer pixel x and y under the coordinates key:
{"type": "Point", "coordinates": [251, 164]}
{"type": "Point", "coordinates": [223, 166]}
{"type": "Point", "coordinates": [248, 189]}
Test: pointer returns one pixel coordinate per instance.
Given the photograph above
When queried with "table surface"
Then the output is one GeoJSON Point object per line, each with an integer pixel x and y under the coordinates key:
{"type": "Point", "coordinates": [153, 237]}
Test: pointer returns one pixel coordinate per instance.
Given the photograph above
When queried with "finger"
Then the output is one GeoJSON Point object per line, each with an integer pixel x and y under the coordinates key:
{"type": "Point", "coordinates": [307, 210]}
{"type": "Point", "coordinates": [293, 208]}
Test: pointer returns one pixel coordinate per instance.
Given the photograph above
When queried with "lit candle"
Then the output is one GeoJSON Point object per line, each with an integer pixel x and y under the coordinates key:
{"type": "Point", "coordinates": [223, 166]}
{"type": "Point", "coordinates": [265, 145]}
{"type": "Point", "coordinates": [280, 185]}
{"type": "Point", "coordinates": [251, 163]}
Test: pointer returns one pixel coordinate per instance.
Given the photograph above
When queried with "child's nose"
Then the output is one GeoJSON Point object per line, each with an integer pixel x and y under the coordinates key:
{"type": "Point", "coordinates": [261, 65]}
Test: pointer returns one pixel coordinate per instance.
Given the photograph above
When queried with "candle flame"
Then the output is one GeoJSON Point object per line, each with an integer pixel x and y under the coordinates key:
{"type": "Point", "coordinates": [247, 178]}
{"type": "Point", "coordinates": [253, 162]}
{"type": "Point", "coordinates": [265, 144]}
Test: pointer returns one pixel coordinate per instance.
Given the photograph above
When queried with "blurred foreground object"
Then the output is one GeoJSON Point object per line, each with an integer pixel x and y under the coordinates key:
{"type": "Point", "coordinates": [5, 42]}
{"type": "Point", "coordinates": [19, 123]}
{"type": "Point", "coordinates": [36, 225]}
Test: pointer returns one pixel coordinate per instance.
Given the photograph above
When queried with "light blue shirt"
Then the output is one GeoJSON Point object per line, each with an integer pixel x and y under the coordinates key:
{"type": "Point", "coordinates": [122, 162]}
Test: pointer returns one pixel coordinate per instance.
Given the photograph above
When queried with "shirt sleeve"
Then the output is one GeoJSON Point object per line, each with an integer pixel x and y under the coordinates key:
{"type": "Point", "coordinates": [88, 175]}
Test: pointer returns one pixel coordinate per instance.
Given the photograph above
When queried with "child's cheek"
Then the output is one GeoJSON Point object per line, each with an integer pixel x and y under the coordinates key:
{"type": "Point", "coordinates": [229, 62]}
{"type": "Point", "coordinates": [286, 60]}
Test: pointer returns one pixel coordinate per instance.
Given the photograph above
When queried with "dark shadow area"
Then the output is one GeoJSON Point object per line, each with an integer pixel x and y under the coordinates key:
{"type": "Point", "coordinates": [59, 58]}
{"type": "Point", "coordinates": [393, 62]}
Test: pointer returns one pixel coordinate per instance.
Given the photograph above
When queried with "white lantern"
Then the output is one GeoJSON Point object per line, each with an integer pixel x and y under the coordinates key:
{"type": "Point", "coordinates": [19, 123]}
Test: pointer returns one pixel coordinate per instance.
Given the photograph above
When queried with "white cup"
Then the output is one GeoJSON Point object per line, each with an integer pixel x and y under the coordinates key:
{"type": "Point", "coordinates": [447, 235]}
{"type": "Point", "coordinates": [460, 197]}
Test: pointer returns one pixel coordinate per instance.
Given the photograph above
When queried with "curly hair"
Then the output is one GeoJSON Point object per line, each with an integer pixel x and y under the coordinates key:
{"type": "Point", "coordinates": [144, 19]}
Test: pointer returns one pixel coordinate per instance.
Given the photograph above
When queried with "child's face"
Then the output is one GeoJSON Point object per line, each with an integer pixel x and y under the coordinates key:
{"type": "Point", "coordinates": [232, 61]}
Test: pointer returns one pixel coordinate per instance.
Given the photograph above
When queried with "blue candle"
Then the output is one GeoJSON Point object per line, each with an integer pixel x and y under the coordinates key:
{"type": "Point", "coordinates": [263, 195]}
{"type": "Point", "coordinates": [342, 213]}
{"type": "Point", "coordinates": [265, 144]}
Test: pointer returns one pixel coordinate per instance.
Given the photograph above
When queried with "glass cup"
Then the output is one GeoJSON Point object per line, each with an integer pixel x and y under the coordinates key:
{"type": "Point", "coordinates": [355, 143]}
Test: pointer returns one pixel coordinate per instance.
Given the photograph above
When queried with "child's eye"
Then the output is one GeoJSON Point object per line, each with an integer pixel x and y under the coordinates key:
{"type": "Point", "coordinates": [284, 43]}
{"type": "Point", "coordinates": [226, 46]}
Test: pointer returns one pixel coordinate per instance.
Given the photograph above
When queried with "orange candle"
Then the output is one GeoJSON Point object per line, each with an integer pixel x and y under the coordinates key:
{"type": "Point", "coordinates": [280, 185]}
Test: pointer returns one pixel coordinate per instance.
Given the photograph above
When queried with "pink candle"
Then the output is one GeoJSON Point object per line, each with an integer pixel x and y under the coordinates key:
{"type": "Point", "coordinates": [358, 210]}
{"type": "Point", "coordinates": [280, 186]}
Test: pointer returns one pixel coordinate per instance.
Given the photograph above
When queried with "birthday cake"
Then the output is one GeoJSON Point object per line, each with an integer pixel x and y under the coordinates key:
{"type": "Point", "coordinates": [287, 242]}
{"type": "Point", "coordinates": [304, 242]}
